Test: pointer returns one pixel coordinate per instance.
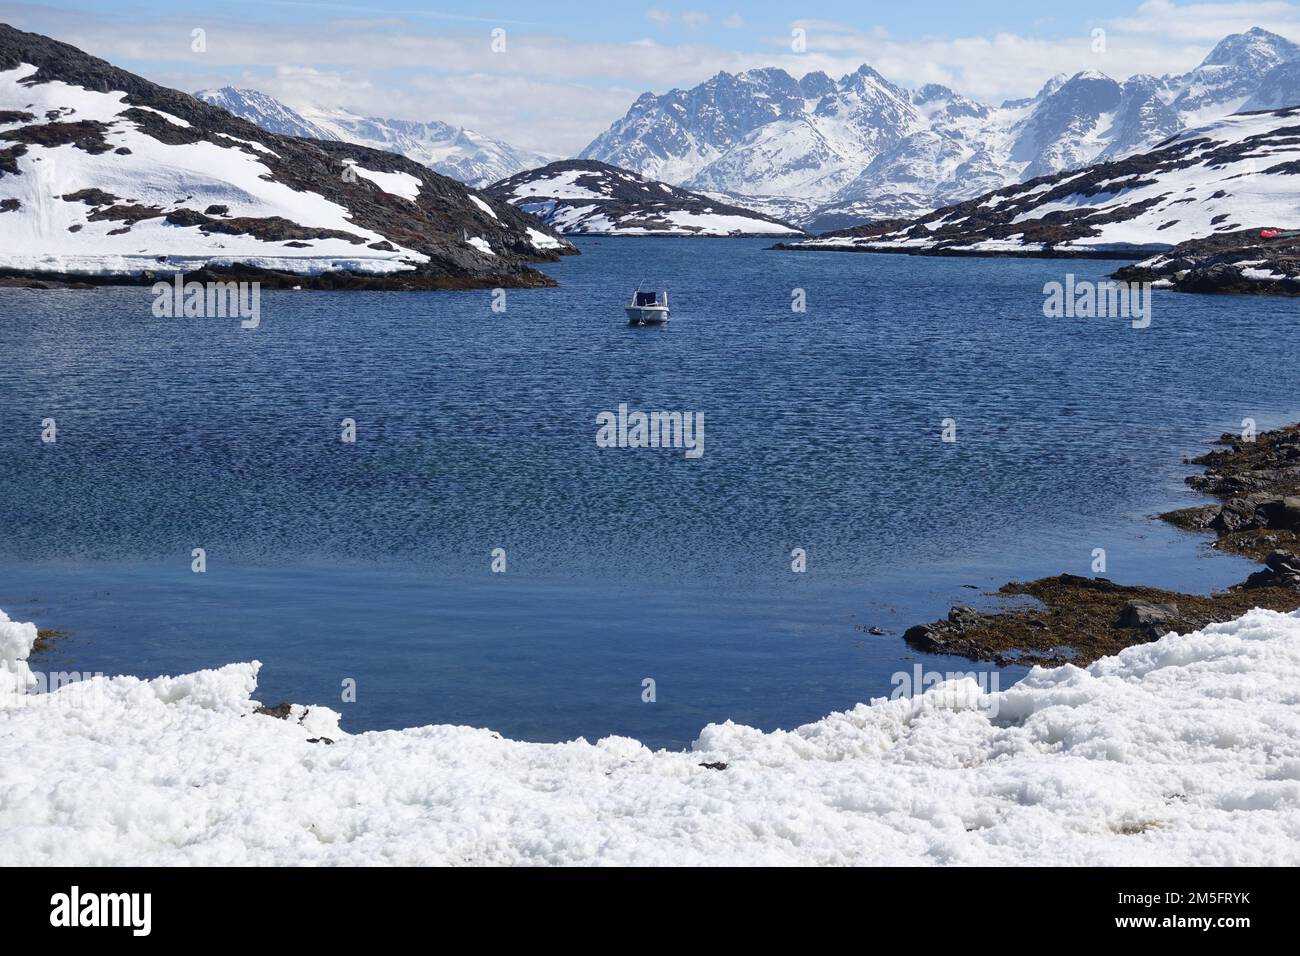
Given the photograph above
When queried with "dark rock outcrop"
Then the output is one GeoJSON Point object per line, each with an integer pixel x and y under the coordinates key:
{"type": "Point", "coordinates": [1257, 481]}
{"type": "Point", "coordinates": [1238, 263]}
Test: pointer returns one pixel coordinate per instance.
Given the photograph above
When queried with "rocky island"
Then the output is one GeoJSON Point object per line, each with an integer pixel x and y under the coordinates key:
{"type": "Point", "coordinates": [585, 197]}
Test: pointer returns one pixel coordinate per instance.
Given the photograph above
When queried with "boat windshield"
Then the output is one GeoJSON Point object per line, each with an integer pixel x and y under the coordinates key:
{"type": "Point", "coordinates": [647, 298]}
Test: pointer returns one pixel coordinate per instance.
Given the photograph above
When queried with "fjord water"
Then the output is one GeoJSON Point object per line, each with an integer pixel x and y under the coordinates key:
{"type": "Point", "coordinates": [476, 430]}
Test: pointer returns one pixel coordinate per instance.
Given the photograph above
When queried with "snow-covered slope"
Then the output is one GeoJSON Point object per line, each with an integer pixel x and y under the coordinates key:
{"type": "Point", "coordinates": [266, 111]}
{"type": "Point", "coordinates": [1242, 172]}
{"type": "Point", "coordinates": [583, 197]}
{"type": "Point", "coordinates": [831, 153]}
{"type": "Point", "coordinates": [103, 173]}
{"type": "Point", "coordinates": [1185, 751]}
{"type": "Point", "coordinates": [453, 151]}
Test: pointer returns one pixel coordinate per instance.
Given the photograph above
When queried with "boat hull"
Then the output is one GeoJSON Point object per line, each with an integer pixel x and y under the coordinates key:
{"type": "Point", "coordinates": [646, 314]}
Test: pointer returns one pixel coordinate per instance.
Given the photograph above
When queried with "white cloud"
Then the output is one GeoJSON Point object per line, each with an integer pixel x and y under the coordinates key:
{"type": "Point", "coordinates": [1206, 22]}
{"type": "Point", "coordinates": [694, 19]}
{"type": "Point", "coordinates": [661, 17]}
{"type": "Point", "coordinates": [734, 22]}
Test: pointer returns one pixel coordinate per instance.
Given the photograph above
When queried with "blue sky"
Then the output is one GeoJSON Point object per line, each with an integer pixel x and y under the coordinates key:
{"type": "Point", "coordinates": [570, 68]}
{"type": "Point", "coordinates": [630, 21]}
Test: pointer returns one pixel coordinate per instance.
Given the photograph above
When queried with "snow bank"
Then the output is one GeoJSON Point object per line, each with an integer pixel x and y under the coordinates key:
{"type": "Point", "coordinates": [1184, 751]}
{"type": "Point", "coordinates": [16, 641]}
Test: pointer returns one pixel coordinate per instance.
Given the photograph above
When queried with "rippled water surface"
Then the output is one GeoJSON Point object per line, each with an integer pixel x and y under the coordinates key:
{"type": "Point", "coordinates": [476, 430]}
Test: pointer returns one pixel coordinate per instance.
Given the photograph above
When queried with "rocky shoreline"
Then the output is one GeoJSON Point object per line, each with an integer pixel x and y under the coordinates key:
{"type": "Point", "coordinates": [332, 281]}
{"type": "Point", "coordinates": [1237, 263]}
{"type": "Point", "coordinates": [1245, 262]}
{"type": "Point", "coordinates": [1078, 620]}
{"type": "Point", "coordinates": [948, 252]}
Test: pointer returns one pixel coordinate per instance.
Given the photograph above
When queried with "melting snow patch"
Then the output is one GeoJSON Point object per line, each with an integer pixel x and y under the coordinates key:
{"type": "Point", "coordinates": [395, 184]}
{"type": "Point", "coordinates": [1182, 751]}
{"type": "Point", "coordinates": [541, 240]}
{"type": "Point", "coordinates": [174, 120]}
{"type": "Point", "coordinates": [484, 206]}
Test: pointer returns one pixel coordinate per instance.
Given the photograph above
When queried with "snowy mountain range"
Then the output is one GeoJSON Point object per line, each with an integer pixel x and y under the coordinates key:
{"type": "Point", "coordinates": [584, 197]}
{"type": "Point", "coordinates": [106, 176]}
{"type": "Point", "coordinates": [456, 152]}
{"type": "Point", "coordinates": [828, 153]}
{"type": "Point", "coordinates": [1221, 183]}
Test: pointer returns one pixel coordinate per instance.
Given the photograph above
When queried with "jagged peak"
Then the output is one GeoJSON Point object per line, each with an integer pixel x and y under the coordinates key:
{"type": "Point", "coordinates": [935, 91]}
{"type": "Point", "coordinates": [1090, 76]}
{"type": "Point", "coordinates": [774, 72]}
{"type": "Point", "coordinates": [1257, 48]}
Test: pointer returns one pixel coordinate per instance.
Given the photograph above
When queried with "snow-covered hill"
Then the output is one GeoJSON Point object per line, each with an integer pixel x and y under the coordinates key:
{"type": "Point", "coordinates": [583, 197]}
{"type": "Point", "coordinates": [1242, 172]}
{"type": "Point", "coordinates": [105, 174]}
{"type": "Point", "coordinates": [456, 152]}
{"type": "Point", "coordinates": [831, 153]}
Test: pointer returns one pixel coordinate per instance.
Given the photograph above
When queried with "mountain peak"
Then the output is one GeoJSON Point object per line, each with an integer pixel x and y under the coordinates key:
{"type": "Point", "coordinates": [1256, 49]}
{"type": "Point", "coordinates": [1052, 85]}
{"type": "Point", "coordinates": [861, 146]}
{"type": "Point", "coordinates": [768, 72]}
{"type": "Point", "coordinates": [453, 151]}
{"type": "Point", "coordinates": [862, 77]}
{"type": "Point", "coordinates": [933, 91]}
{"type": "Point", "coordinates": [817, 84]}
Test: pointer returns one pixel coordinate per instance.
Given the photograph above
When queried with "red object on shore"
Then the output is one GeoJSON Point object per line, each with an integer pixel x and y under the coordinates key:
{"type": "Point", "coordinates": [1269, 233]}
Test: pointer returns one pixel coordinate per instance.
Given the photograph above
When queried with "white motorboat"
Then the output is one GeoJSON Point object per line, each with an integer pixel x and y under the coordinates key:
{"type": "Point", "coordinates": [648, 308]}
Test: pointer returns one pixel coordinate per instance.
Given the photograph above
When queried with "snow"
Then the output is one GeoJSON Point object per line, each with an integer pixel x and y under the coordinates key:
{"type": "Point", "coordinates": [1182, 751]}
{"type": "Point", "coordinates": [395, 184]}
{"type": "Point", "coordinates": [174, 120]}
{"type": "Point", "coordinates": [557, 199]}
{"type": "Point", "coordinates": [481, 245]}
{"type": "Point", "coordinates": [541, 240]}
{"type": "Point", "coordinates": [37, 236]}
{"type": "Point", "coordinates": [254, 144]}
{"type": "Point", "coordinates": [1185, 200]}
{"type": "Point", "coordinates": [486, 208]}
{"type": "Point", "coordinates": [561, 185]}
{"type": "Point", "coordinates": [462, 154]}
{"type": "Point", "coordinates": [1262, 275]}
{"type": "Point", "coordinates": [874, 151]}
{"type": "Point", "coordinates": [713, 224]}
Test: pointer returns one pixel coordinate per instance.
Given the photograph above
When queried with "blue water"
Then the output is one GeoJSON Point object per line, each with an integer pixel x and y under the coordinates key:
{"type": "Point", "coordinates": [476, 430]}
